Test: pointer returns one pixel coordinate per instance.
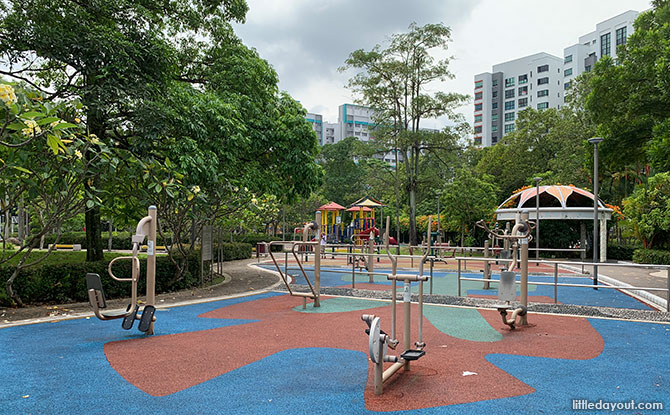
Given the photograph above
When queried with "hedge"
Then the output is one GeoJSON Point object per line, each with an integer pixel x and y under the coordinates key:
{"type": "Point", "coordinates": [120, 240]}
{"type": "Point", "coordinates": [233, 251]}
{"type": "Point", "coordinates": [651, 256]}
{"type": "Point", "coordinates": [255, 238]}
{"type": "Point", "coordinates": [621, 252]}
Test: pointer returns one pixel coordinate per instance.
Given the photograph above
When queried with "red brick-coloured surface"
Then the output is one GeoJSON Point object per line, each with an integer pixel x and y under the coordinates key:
{"type": "Point", "coordinates": [180, 361]}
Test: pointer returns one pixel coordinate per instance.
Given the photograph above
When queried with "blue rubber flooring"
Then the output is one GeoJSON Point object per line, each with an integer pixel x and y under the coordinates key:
{"type": "Point", "coordinates": [60, 368]}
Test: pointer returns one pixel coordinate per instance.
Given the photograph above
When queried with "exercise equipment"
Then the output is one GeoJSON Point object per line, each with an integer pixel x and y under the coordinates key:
{"type": "Point", "coordinates": [146, 228]}
{"type": "Point", "coordinates": [518, 238]}
{"type": "Point", "coordinates": [378, 340]}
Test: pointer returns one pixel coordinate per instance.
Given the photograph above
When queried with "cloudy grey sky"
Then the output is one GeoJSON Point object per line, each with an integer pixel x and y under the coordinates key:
{"type": "Point", "coordinates": [306, 40]}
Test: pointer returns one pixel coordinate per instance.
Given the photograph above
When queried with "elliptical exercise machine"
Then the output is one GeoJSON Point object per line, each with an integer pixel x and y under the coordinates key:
{"type": "Point", "coordinates": [379, 341]}
{"type": "Point", "coordinates": [96, 296]}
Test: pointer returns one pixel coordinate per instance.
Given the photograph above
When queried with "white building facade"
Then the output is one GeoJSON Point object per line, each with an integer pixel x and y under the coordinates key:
{"type": "Point", "coordinates": [534, 81]}
{"type": "Point", "coordinates": [604, 41]}
{"type": "Point", "coordinates": [317, 125]}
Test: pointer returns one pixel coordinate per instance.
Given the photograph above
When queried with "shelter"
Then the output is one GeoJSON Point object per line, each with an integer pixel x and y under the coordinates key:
{"type": "Point", "coordinates": [558, 202]}
{"type": "Point", "coordinates": [366, 213]}
{"type": "Point", "coordinates": [333, 227]}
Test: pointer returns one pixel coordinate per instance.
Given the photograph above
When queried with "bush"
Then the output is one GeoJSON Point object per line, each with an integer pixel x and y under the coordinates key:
{"type": "Point", "coordinates": [63, 281]}
{"type": "Point", "coordinates": [621, 252]}
{"type": "Point", "coordinates": [235, 250]}
{"type": "Point", "coordinates": [255, 238]}
{"type": "Point", "coordinates": [651, 256]}
{"type": "Point", "coordinates": [120, 240]}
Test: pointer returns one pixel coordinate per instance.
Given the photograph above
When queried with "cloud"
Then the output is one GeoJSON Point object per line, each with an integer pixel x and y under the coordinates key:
{"type": "Point", "coordinates": [308, 41]}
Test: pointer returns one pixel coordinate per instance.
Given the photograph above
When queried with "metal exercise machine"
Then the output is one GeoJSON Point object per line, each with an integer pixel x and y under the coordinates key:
{"type": "Point", "coordinates": [146, 228]}
{"type": "Point", "coordinates": [316, 288]}
{"type": "Point", "coordinates": [518, 238]}
{"type": "Point", "coordinates": [379, 341]}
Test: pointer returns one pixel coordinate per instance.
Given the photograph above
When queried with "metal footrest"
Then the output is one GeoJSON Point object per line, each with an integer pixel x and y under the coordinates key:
{"type": "Point", "coordinates": [129, 320]}
{"type": "Point", "coordinates": [147, 318]}
{"type": "Point", "coordinates": [412, 354]}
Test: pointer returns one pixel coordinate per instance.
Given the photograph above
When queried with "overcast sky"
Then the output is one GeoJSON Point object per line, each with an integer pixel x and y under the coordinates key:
{"type": "Point", "coordinates": [306, 40]}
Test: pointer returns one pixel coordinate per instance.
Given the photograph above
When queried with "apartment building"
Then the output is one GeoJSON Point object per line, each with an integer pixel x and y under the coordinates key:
{"type": "Point", "coordinates": [317, 125]}
{"type": "Point", "coordinates": [604, 41]}
{"type": "Point", "coordinates": [534, 81]}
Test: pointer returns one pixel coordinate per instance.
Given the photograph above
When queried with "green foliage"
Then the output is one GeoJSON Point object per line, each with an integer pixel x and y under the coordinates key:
{"type": "Point", "coordinates": [651, 256]}
{"type": "Point", "coordinates": [648, 211]}
{"type": "Point", "coordinates": [235, 250]}
{"type": "Point", "coordinates": [630, 100]}
{"type": "Point", "coordinates": [120, 240]}
{"type": "Point", "coordinates": [253, 239]}
{"type": "Point", "coordinates": [343, 180]}
{"type": "Point", "coordinates": [62, 280]}
{"type": "Point", "coordinates": [621, 252]}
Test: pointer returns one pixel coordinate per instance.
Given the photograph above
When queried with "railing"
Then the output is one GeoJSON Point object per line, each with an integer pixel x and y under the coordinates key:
{"type": "Point", "coordinates": [556, 284]}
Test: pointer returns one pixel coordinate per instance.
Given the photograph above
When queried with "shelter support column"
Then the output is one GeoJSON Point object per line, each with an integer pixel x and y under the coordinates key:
{"type": "Point", "coordinates": [603, 239]}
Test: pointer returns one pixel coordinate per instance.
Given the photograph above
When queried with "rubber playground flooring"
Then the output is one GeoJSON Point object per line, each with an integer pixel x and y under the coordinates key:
{"type": "Point", "coordinates": [446, 283]}
{"type": "Point", "coordinates": [264, 354]}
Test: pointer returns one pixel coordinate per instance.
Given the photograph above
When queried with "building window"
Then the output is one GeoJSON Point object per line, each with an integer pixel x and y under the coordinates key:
{"type": "Point", "coordinates": [523, 102]}
{"type": "Point", "coordinates": [509, 105]}
{"type": "Point", "coordinates": [478, 129]}
{"type": "Point", "coordinates": [543, 68]}
{"type": "Point", "coordinates": [509, 116]}
{"type": "Point", "coordinates": [509, 82]}
{"type": "Point", "coordinates": [542, 81]}
{"type": "Point", "coordinates": [478, 107]}
{"type": "Point", "coordinates": [494, 82]}
{"type": "Point", "coordinates": [478, 141]}
{"type": "Point", "coordinates": [479, 84]}
{"type": "Point", "coordinates": [567, 72]}
{"type": "Point", "coordinates": [605, 41]}
{"type": "Point", "coordinates": [523, 90]}
{"type": "Point", "coordinates": [478, 118]}
{"type": "Point", "coordinates": [494, 128]}
{"type": "Point", "coordinates": [494, 117]}
{"type": "Point", "coordinates": [494, 139]}
{"type": "Point", "coordinates": [523, 79]}
{"type": "Point", "coordinates": [494, 94]}
{"type": "Point", "coordinates": [543, 105]}
{"type": "Point", "coordinates": [621, 36]}
{"type": "Point", "coordinates": [509, 94]}
{"type": "Point", "coordinates": [566, 85]}
{"type": "Point", "coordinates": [587, 68]}
{"type": "Point", "coordinates": [509, 128]}
{"type": "Point", "coordinates": [567, 59]}
{"type": "Point", "coordinates": [543, 93]}
{"type": "Point", "coordinates": [494, 105]}
{"type": "Point", "coordinates": [478, 95]}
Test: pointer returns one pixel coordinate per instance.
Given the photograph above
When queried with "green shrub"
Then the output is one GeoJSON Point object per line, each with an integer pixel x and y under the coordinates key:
{"type": "Point", "coordinates": [120, 240]}
{"type": "Point", "coordinates": [63, 281]}
{"type": "Point", "coordinates": [235, 250]}
{"type": "Point", "coordinates": [255, 238]}
{"type": "Point", "coordinates": [621, 252]}
{"type": "Point", "coordinates": [651, 256]}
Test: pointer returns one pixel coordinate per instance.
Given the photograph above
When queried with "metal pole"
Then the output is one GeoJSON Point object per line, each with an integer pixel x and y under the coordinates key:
{"type": "Point", "coordinates": [555, 283]}
{"type": "Point", "coordinates": [432, 261]}
{"type": "Point", "coordinates": [537, 218]}
{"type": "Point", "coordinates": [439, 230]}
{"type": "Point", "coordinates": [487, 266]}
{"type": "Point", "coordinates": [459, 277]}
{"type": "Point", "coordinates": [353, 274]}
{"type": "Point", "coordinates": [595, 141]}
{"type": "Point", "coordinates": [524, 271]}
{"type": "Point", "coordinates": [151, 262]}
{"type": "Point", "coordinates": [317, 261]}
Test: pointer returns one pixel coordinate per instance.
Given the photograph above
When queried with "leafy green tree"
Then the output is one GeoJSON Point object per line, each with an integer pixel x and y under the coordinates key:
{"type": "Point", "coordinates": [648, 211]}
{"type": "Point", "coordinates": [343, 180]}
{"type": "Point", "coordinates": [468, 199]}
{"type": "Point", "coordinates": [42, 162]}
{"type": "Point", "coordinates": [630, 100]}
{"type": "Point", "coordinates": [396, 81]}
{"type": "Point", "coordinates": [110, 55]}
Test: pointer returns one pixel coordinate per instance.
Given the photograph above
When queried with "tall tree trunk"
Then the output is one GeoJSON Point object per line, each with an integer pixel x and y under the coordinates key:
{"type": "Point", "coordinates": [94, 248]}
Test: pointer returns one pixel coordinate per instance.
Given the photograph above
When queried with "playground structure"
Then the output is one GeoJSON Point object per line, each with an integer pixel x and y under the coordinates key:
{"type": "Point", "coordinates": [333, 228]}
{"type": "Point", "coordinates": [146, 228]}
{"type": "Point", "coordinates": [379, 341]}
{"type": "Point", "coordinates": [519, 238]}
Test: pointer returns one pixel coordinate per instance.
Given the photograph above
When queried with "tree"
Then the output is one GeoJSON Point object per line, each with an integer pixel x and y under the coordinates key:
{"type": "Point", "coordinates": [395, 81]}
{"type": "Point", "coordinates": [468, 199]}
{"type": "Point", "coordinates": [112, 56]}
{"type": "Point", "coordinates": [630, 100]}
{"type": "Point", "coordinates": [42, 162]}
{"type": "Point", "coordinates": [648, 211]}
{"type": "Point", "coordinates": [343, 180]}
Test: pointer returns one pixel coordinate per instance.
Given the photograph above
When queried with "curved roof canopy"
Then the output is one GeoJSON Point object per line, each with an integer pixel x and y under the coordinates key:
{"type": "Point", "coordinates": [331, 206]}
{"type": "Point", "coordinates": [359, 209]}
{"type": "Point", "coordinates": [367, 201]}
{"type": "Point", "coordinates": [556, 202]}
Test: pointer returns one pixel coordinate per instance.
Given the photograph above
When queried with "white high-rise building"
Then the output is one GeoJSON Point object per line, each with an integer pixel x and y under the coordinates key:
{"type": "Point", "coordinates": [317, 125]}
{"type": "Point", "coordinates": [534, 81]}
{"type": "Point", "coordinates": [356, 121]}
{"type": "Point", "coordinates": [604, 41]}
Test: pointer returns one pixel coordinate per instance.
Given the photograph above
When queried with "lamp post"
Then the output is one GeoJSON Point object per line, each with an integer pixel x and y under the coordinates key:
{"type": "Point", "coordinates": [537, 217]}
{"type": "Point", "coordinates": [595, 141]}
